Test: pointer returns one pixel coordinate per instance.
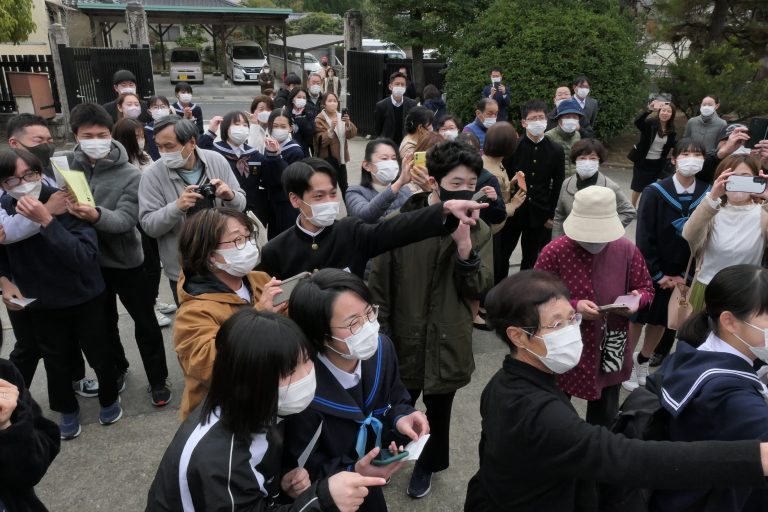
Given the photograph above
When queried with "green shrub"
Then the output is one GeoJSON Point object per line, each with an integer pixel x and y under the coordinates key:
{"type": "Point", "coordinates": [541, 45]}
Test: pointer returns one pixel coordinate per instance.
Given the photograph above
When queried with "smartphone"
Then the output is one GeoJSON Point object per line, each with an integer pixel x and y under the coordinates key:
{"type": "Point", "coordinates": [344, 111]}
{"type": "Point", "coordinates": [287, 286]}
{"type": "Point", "coordinates": [758, 130]}
{"type": "Point", "coordinates": [751, 184]}
{"type": "Point", "coordinates": [622, 302]}
{"type": "Point", "coordinates": [480, 197]}
{"type": "Point", "coordinates": [420, 158]}
{"type": "Point", "coordinates": [385, 461]}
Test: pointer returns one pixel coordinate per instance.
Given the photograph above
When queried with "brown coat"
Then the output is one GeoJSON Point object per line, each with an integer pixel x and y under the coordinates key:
{"type": "Point", "coordinates": [194, 334]}
{"type": "Point", "coordinates": [327, 143]}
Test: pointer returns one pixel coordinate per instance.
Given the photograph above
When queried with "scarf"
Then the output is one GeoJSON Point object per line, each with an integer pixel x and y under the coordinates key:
{"type": "Point", "coordinates": [341, 129]}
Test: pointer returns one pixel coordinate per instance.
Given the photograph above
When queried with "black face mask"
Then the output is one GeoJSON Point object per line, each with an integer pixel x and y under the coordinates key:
{"type": "Point", "coordinates": [43, 152]}
{"type": "Point", "coordinates": [447, 195]}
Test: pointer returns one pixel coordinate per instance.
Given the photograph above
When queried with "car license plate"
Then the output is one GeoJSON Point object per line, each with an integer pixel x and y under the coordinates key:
{"type": "Point", "coordinates": [182, 77]}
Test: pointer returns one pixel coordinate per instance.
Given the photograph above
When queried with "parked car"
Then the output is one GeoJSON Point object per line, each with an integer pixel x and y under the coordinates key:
{"type": "Point", "coordinates": [244, 62]}
{"type": "Point", "coordinates": [378, 46]}
{"type": "Point", "coordinates": [310, 65]}
{"type": "Point", "coordinates": [186, 66]}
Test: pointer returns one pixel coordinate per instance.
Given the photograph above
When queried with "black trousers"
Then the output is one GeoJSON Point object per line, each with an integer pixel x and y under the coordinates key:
{"type": "Point", "coordinates": [435, 456]}
{"type": "Point", "coordinates": [26, 352]}
{"type": "Point", "coordinates": [175, 293]}
{"type": "Point", "coordinates": [131, 285]}
{"type": "Point", "coordinates": [604, 411]}
{"type": "Point", "coordinates": [151, 264]}
{"type": "Point", "coordinates": [533, 239]}
{"type": "Point", "coordinates": [55, 329]}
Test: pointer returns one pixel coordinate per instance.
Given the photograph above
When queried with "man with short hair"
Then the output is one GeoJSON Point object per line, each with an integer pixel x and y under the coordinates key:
{"type": "Point", "coordinates": [314, 91]}
{"type": "Point", "coordinates": [172, 188]}
{"type": "Point", "coordinates": [542, 161]}
{"type": "Point", "coordinates": [114, 183]}
{"type": "Point", "coordinates": [291, 81]}
{"type": "Point", "coordinates": [124, 82]}
{"type": "Point", "coordinates": [581, 90]}
{"type": "Point", "coordinates": [486, 113]}
{"type": "Point", "coordinates": [390, 113]}
{"type": "Point", "coordinates": [498, 92]}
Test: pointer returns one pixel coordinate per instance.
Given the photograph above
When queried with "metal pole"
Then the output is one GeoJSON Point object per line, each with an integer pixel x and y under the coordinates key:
{"type": "Point", "coordinates": [285, 52]}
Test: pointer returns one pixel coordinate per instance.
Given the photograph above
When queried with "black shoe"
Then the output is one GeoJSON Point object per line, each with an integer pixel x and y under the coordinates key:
{"type": "Point", "coordinates": [420, 484]}
{"type": "Point", "coordinates": [161, 394]}
{"type": "Point", "coordinates": [656, 360]}
{"type": "Point", "coordinates": [121, 380]}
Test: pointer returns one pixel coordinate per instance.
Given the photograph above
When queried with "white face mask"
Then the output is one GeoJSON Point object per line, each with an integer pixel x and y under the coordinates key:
{"type": "Point", "coordinates": [323, 214]}
{"type": "Point", "coordinates": [362, 345]}
{"type": "Point", "coordinates": [707, 110]}
{"type": "Point", "coordinates": [387, 170]}
{"type": "Point", "coordinates": [587, 168]}
{"type": "Point", "coordinates": [263, 116]}
{"type": "Point", "coordinates": [569, 125]}
{"type": "Point", "coordinates": [742, 151]}
{"type": "Point", "coordinates": [450, 134]}
{"type": "Point", "coordinates": [536, 128]}
{"type": "Point", "coordinates": [593, 247]}
{"type": "Point", "coordinates": [174, 159]}
{"type": "Point", "coordinates": [689, 166]}
{"type": "Point", "coordinates": [238, 262]}
{"type": "Point", "coordinates": [296, 396]}
{"type": "Point", "coordinates": [96, 148]}
{"type": "Point", "coordinates": [398, 91]}
{"type": "Point", "coordinates": [300, 103]}
{"type": "Point", "coordinates": [141, 144]}
{"type": "Point", "coordinates": [314, 90]}
{"type": "Point", "coordinates": [489, 121]}
{"type": "Point", "coordinates": [582, 92]}
{"type": "Point", "coordinates": [160, 113]}
{"type": "Point", "coordinates": [496, 79]}
{"type": "Point", "coordinates": [238, 134]}
{"type": "Point", "coordinates": [737, 197]}
{"type": "Point", "coordinates": [185, 97]}
{"type": "Point", "coordinates": [128, 90]}
{"type": "Point", "coordinates": [280, 134]}
{"type": "Point", "coordinates": [563, 349]}
{"type": "Point", "coordinates": [27, 188]}
{"type": "Point", "coordinates": [759, 352]}
{"type": "Point", "coordinates": [132, 112]}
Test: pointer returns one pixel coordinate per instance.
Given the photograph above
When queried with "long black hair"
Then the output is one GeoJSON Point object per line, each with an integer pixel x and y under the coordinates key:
{"type": "Point", "coordinates": [254, 350]}
{"type": "Point", "coordinates": [366, 180]}
{"type": "Point", "coordinates": [124, 132]}
{"type": "Point", "coordinates": [740, 289]}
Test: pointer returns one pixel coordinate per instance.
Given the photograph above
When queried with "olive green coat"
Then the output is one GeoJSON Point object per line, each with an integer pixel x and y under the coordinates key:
{"type": "Point", "coordinates": [424, 293]}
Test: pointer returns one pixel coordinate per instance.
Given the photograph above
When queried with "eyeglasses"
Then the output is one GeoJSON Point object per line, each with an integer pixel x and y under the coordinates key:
{"type": "Point", "coordinates": [575, 319]}
{"type": "Point", "coordinates": [241, 240]}
{"type": "Point", "coordinates": [357, 323]}
{"type": "Point", "coordinates": [13, 181]}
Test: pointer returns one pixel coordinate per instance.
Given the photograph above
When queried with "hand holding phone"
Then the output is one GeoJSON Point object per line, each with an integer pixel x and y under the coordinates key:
{"type": "Point", "coordinates": [420, 158]}
{"type": "Point", "coordinates": [287, 288]}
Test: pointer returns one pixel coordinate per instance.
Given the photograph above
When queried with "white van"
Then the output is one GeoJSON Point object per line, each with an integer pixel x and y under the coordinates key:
{"type": "Point", "coordinates": [378, 46]}
{"type": "Point", "coordinates": [244, 62]}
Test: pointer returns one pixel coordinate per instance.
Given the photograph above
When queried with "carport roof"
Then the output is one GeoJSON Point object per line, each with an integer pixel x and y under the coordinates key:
{"type": "Point", "coordinates": [181, 12]}
{"type": "Point", "coordinates": [311, 41]}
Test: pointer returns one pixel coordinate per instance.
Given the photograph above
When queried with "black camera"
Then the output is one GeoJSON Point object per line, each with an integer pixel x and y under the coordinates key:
{"type": "Point", "coordinates": [207, 190]}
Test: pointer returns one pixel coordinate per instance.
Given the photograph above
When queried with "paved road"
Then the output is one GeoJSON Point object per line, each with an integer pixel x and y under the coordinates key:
{"type": "Point", "coordinates": [111, 468]}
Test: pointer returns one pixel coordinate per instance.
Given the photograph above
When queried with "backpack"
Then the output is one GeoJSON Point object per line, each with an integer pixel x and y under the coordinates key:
{"type": "Point", "coordinates": [641, 416]}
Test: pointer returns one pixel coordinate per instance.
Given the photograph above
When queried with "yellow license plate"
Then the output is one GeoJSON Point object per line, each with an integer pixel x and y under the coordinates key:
{"type": "Point", "coordinates": [182, 77]}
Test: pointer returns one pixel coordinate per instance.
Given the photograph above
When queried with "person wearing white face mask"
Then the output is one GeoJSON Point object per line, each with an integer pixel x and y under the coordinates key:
{"type": "Point", "coordinates": [729, 228]}
{"type": "Point", "coordinates": [498, 92]}
{"type": "Point", "coordinates": [665, 208]}
{"type": "Point", "coordinates": [709, 385]}
{"type": "Point", "coordinates": [219, 254]}
{"type": "Point", "coordinates": [360, 400]}
{"type": "Point", "coordinates": [170, 189]}
{"type": "Point", "coordinates": [230, 450]}
{"type": "Point", "coordinates": [581, 91]}
{"type": "Point", "coordinates": [598, 264]}
{"type": "Point", "coordinates": [261, 107]}
{"type": "Point", "coordinates": [586, 155]}
{"type": "Point", "coordinates": [530, 427]}
{"type": "Point", "coordinates": [448, 127]}
{"type": "Point", "coordinates": [159, 107]}
{"type": "Point", "coordinates": [114, 184]}
{"type": "Point", "coordinates": [390, 113]}
{"type": "Point", "coordinates": [566, 133]}
{"type": "Point", "coordinates": [486, 112]}
{"type": "Point", "coordinates": [184, 107]}
{"type": "Point", "coordinates": [314, 92]}
{"type": "Point", "coordinates": [124, 82]}
{"type": "Point", "coordinates": [302, 114]}
{"type": "Point", "coordinates": [382, 189]}
{"type": "Point", "coordinates": [333, 131]}
{"type": "Point", "coordinates": [542, 162]}
{"type": "Point", "coordinates": [706, 127]}
{"type": "Point", "coordinates": [128, 106]}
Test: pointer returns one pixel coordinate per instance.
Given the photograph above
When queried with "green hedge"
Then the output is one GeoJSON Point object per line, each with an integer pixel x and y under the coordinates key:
{"type": "Point", "coordinates": [540, 45]}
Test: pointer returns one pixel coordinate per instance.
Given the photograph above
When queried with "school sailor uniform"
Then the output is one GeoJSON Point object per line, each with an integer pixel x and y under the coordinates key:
{"type": "Point", "coordinates": [197, 114]}
{"type": "Point", "coordinates": [149, 141]}
{"type": "Point", "coordinates": [663, 211]}
{"type": "Point", "coordinates": [358, 411]}
{"type": "Point", "coordinates": [282, 212]}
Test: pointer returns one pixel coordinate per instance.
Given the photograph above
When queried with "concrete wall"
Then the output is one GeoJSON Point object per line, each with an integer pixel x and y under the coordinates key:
{"type": "Point", "coordinates": [37, 43]}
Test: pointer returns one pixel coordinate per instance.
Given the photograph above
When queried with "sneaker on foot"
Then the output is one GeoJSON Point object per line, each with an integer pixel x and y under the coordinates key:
{"type": "Point", "coordinates": [69, 425]}
{"type": "Point", "coordinates": [110, 414]}
{"type": "Point", "coordinates": [420, 484]}
{"type": "Point", "coordinates": [164, 307]}
{"type": "Point", "coordinates": [643, 369]}
{"type": "Point", "coordinates": [631, 384]}
{"type": "Point", "coordinates": [86, 387]}
{"type": "Point", "coordinates": [161, 394]}
{"type": "Point", "coordinates": [121, 381]}
{"type": "Point", "coordinates": [656, 360]}
{"type": "Point", "coordinates": [162, 320]}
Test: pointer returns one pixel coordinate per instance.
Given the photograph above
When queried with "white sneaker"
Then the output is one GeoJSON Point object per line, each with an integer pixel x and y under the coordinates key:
{"type": "Point", "coordinates": [162, 320]}
{"type": "Point", "coordinates": [165, 308]}
{"type": "Point", "coordinates": [631, 384]}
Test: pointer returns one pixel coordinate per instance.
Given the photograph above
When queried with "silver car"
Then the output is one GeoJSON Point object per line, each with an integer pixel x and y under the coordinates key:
{"type": "Point", "coordinates": [186, 66]}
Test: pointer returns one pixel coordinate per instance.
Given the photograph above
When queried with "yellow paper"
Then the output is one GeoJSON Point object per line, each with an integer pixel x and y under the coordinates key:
{"type": "Point", "coordinates": [77, 184]}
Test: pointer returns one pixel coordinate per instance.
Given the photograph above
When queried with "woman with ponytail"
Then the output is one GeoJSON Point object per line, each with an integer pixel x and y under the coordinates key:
{"type": "Point", "coordinates": [709, 385]}
{"type": "Point", "coordinates": [418, 123]}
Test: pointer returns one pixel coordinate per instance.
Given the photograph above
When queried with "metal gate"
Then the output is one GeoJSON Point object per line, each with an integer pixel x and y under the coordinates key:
{"type": "Point", "coordinates": [88, 72]}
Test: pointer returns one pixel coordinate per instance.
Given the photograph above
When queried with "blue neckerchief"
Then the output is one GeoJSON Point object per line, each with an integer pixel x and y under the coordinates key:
{"type": "Point", "coordinates": [362, 434]}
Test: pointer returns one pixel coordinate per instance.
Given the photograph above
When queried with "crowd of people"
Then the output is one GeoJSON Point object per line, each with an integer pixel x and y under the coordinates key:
{"type": "Point", "coordinates": [306, 337]}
